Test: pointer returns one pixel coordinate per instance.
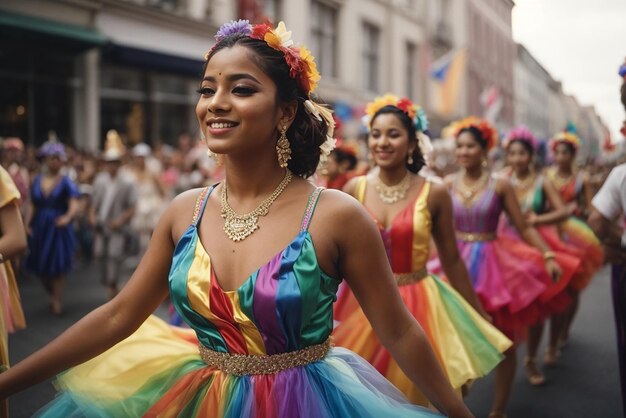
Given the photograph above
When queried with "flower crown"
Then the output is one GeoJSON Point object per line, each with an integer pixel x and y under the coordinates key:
{"type": "Point", "coordinates": [521, 133]}
{"type": "Point", "coordinates": [565, 137]}
{"type": "Point", "coordinates": [301, 62]}
{"type": "Point", "coordinates": [488, 132]}
{"type": "Point", "coordinates": [413, 111]}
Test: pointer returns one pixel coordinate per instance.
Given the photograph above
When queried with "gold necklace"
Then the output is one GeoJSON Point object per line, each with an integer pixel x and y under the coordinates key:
{"type": "Point", "coordinates": [395, 193]}
{"type": "Point", "coordinates": [238, 227]}
{"type": "Point", "coordinates": [468, 192]}
{"type": "Point", "coordinates": [560, 181]}
{"type": "Point", "coordinates": [522, 184]}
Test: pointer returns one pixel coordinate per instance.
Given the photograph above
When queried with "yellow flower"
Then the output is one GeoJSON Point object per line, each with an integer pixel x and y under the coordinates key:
{"type": "Point", "coordinates": [379, 103]}
{"type": "Point", "coordinates": [310, 68]}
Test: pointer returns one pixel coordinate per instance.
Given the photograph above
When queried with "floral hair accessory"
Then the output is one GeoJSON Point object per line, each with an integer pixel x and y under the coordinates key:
{"type": "Point", "coordinates": [487, 132]}
{"type": "Point", "coordinates": [521, 133]}
{"type": "Point", "coordinates": [567, 138]}
{"type": "Point", "coordinates": [413, 111]}
{"type": "Point", "coordinates": [301, 62]}
{"type": "Point", "coordinates": [53, 148]}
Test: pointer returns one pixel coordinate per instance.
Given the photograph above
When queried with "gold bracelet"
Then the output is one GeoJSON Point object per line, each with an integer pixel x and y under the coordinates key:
{"type": "Point", "coordinates": [549, 255]}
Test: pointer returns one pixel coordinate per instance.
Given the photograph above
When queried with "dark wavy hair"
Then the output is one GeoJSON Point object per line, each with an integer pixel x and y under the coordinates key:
{"type": "Point", "coordinates": [418, 158]}
{"type": "Point", "coordinates": [306, 133]}
{"type": "Point", "coordinates": [477, 135]}
{"type": "Point", "coordinates": [527, 146]}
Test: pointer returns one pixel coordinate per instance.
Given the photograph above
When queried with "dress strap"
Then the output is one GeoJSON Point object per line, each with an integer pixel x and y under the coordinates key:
{"type": "Point", "coordinates": [359, 191]}
{"type": "Point", "coordinates": [201, 201]}
{"type": "Point", "coordinates": [310, 208]}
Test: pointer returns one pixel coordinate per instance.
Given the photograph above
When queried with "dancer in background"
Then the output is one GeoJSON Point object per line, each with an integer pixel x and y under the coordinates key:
{"type": "Point", "coordinates": [535, 194]}
{"type": "Point", "coordinates": [409, 212]}
{"type": "Point", "coordinates": [512, 280]}
{"type": "Point", "coordinates": [52, 242]}
{"type": "Point", "coordinates": [575, 189]}
{"type": "Point", "coordinates": [242, 270]}
{"type": "Point", "coordinates": [12, 243]}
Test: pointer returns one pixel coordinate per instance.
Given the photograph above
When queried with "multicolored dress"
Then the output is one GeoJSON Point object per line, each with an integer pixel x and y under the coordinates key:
{"type": "Point", "coordinates": [508, 275]}
{"type": "Point", "coordinates": [466, 345]}
{"type": "Point", "coordinates": [533, 200]}
{"type": "Point", "coordinates": [259, 351]}
{"type": "Point", "coordinates": [51, 248]}
{"type": "Point", "coordinates": [11, 314]}
{"type": "Point", "coordinates": [575, 231]}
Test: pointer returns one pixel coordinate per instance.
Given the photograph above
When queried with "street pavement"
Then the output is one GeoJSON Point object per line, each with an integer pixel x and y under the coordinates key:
{"type": "Point", "coordinates": [585, 383]}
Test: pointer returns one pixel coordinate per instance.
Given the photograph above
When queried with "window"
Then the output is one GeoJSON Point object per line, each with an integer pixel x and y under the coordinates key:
{"type": "Point", "coordinates": [324, 38]}
{"type": "Point", "coordinates": [411, 58]}
{"type": "Point", "coordinates": [371, 58]}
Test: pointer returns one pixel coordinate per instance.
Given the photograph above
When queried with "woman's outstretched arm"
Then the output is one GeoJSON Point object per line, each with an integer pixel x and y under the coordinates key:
{"type": "Point", "coordinates": [363, 263]}
{"type": "Point", "coordinates": [111, 322]}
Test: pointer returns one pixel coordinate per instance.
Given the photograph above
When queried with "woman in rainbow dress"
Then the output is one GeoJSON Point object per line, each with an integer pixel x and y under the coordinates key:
{"type": "Point", "coordinates": [254, 265]}
{"type": "Point", "coordinates": [512, 278]}
{"type": "Point", "coordinates": [575, 189]}
{"type": "Point", "coordinates": [543, 208]}
{"type": "Point", "coordinates": [409, 212]}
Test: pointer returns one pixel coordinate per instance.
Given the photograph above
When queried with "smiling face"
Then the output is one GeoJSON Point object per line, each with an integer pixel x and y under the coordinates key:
{"type": "Point", "coordinates": [563, 156]}
{"type": "Point", "coordinates": [518, 157]}
{"type": "Point", "coordinates": [237, 109]}
{"type": "Point", "coordinates": [389, 141]}
{"type": "Point", "coordinates": [469, 152]}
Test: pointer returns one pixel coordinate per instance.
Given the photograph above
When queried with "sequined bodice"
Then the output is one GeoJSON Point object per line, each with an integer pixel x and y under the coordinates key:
{"type": "Point", "coordinates": [284, 306]}
{"type": "Point", "coordinates": [481, 215]}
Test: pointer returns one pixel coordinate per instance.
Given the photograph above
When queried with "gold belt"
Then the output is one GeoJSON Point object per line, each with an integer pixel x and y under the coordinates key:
{"type": "Point", "coordinates": [403, 279]}
{"type": "Point", "coordinates": [246, 364]}
{"type": "Point", "coordinates": [475, 236]}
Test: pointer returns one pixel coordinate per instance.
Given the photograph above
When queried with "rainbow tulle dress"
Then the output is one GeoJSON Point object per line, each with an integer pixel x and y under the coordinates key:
{"type": "Point", "coordinates": [507, 274]}
{"type": "Point", "coordinates": [466, 345]}
{"type": "Point", "coordinates": [574, 231]}
{"type": "Point", "coordinates": [284, 307]}
{"type": "Point", "coordinates": [568, 256]}
{"type": "Point", "coordinates": [11, 315]}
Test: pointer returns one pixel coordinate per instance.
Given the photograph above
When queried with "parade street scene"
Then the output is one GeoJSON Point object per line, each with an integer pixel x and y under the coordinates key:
{"type": "Point", "coordinates": [312, 208]}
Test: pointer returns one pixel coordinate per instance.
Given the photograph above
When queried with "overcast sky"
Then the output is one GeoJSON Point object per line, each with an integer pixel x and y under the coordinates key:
{"type": "Point", "coordinates": [581, 43]}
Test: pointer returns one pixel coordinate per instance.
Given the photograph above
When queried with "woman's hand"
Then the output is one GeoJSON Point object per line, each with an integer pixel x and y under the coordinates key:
{"type": "Point", "coordinates": [62, 221]}
{"type": "Point", "coordinates": [553, 269]}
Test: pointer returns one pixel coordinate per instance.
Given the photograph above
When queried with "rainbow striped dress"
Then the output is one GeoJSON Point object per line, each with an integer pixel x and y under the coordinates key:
{"type": "Point", "coordinates": [466, 345]}
{"type": "Point", "coordinates": [282, 310]}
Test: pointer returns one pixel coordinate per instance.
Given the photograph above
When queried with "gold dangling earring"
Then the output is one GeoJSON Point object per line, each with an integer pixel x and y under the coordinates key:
{"type": "Point", "coordinates": [282, 148]}
{"type": "Point", "coordinates": [484, 163]}
{"type": "Point", "coordinates": [409, 160]}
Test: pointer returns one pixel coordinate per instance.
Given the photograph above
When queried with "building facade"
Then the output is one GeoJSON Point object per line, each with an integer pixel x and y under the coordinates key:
{"type": "Point", "coordinates": [80, 68]}
{"type": "Point", "coordinates": [532, 94]}
{"type": "Point", "coordinates": [491, 56]}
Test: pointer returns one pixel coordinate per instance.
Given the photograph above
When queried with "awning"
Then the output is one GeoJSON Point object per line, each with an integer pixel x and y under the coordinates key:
{"type": "Point", "coordinates": [152, 60]}
{"type": "Point", "coordinates": [25, 28]}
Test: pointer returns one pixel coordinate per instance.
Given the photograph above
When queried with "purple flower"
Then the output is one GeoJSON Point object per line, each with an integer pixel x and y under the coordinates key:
{"type": "Point", "coordinates": [53, 149]}
{"type": "Point", "coordinates": [233, 27]}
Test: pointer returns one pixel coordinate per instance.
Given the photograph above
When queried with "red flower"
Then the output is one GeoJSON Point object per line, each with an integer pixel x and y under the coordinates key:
{"type": "Point", "coordinates": [259, 31]}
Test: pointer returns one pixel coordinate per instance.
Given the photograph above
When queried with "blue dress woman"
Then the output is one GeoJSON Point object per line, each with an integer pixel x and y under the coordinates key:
{"type": "Point", "coordinates": [51, 237]}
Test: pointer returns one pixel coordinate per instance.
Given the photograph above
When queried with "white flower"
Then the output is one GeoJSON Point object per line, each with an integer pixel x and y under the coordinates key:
{"type": "Point", "coordinates": [284, 35]}
{"type": "Point", "coordinates": [328, 145]}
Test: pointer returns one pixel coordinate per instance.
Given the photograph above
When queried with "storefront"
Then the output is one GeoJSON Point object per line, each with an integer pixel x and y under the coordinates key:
{"type": "Point", "coordinates": [40, 76]}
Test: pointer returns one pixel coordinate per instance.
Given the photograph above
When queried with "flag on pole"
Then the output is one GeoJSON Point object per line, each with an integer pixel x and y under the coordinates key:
{"type": "Point", "coordinates": [491, 99]}
{"type": "Point", "coordinates": [446, 72]}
